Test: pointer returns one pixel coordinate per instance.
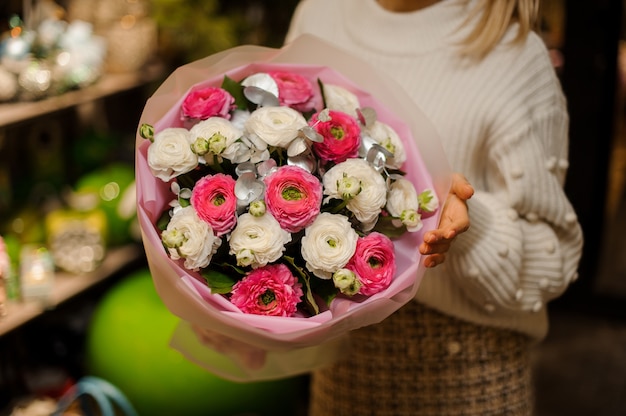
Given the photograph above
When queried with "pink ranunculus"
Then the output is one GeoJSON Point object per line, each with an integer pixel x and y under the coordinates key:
{"type": "Point", "coordinates": [293, 196]}
{"type": "Point", "coordinates": [270, 290]}
{"type": "Point", "coordinates": [208, 102]}
{"type": "Point", "coordinates": [213, 197]}
{"type": "Point", "coordinates": [374, 263]}
{"type": "Point", "coordinates": [294, 90]}
{"type": "Point", "coordinates": [342, 137]}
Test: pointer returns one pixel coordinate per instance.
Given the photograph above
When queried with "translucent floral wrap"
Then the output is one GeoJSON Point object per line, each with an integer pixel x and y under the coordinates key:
{"type": "Point", "coordinates": [267, 347]}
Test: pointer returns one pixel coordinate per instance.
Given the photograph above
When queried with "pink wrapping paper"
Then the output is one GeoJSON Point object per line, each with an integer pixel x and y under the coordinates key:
{"type": "Point", "coordinates": [291, 345]}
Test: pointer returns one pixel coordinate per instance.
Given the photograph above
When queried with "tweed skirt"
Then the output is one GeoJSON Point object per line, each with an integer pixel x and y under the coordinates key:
{"type": "Point", "coordinates": [421, 362]}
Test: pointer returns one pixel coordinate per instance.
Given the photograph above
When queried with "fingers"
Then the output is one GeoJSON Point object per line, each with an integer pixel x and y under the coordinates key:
{"type": "Point", "coordinates": [434, 260]}
{"type": "Point", "coordinates": [461, 187]}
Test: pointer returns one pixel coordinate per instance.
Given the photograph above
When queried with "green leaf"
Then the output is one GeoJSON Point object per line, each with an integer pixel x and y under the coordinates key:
{"type": "Point", "coordinates": [163, 220]}
{"type": "Point", "coordinates": [305, 279]}
{"type": "Point", "coordinates": [235, 89]}
{"type": "Point", "coordinates": [385, 226]}
{"type": "Point", "coordinates": [218, 282]}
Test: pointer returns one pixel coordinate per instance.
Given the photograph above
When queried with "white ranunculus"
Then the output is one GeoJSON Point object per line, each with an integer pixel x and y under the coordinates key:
{"type": "Point", "coordinates": [402, 196]}
{"type": "Point", "coordinates": [276, 126]}
{"type": "Point", "coordinates": [340, 99]}
{"type": "Point", "coordinates": [259, 237]}
{"type": "Point", "coordinates": [328, 244]}
{"type": "Point", "coordinates": [206, 129]}
{"type": "Point", "coordinates": [366, 206]}
{"type": "Point", "coordinates": [388, 138]}
{"type": "Point", "coordinates": [170, 154]}
{"type": "Point", "coordinates": [198, 244]}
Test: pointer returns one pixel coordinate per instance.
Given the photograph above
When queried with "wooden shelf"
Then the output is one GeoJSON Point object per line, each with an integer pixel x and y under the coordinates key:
{"type": "Point", "coordinates": [66, 286]}
{"type": "Point", "coordinates": [109, 84]}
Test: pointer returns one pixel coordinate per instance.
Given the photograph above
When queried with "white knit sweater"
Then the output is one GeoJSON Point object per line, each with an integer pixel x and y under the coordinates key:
{"type": "Point", "coordinates": [504, 125]}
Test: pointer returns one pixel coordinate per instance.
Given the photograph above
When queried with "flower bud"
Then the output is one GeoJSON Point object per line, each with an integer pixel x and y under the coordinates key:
{"type": "Point", "coordinates": [346, 281]}
{"type": "Point", "coordinates": [257, 208]}
{"type": "Point", "coordinates": [147, 132]}
{"type": "Point", "coordinates": [348, 187]}
{"type": "Point", "coordinates": [412, 219]}
{"type": "Point", "coordinates": [428, 201]}
{"type": "Point", "coordinates": [173, 238]}
{"type": "Point", "coordinates": [200, 146]}
{"type": "Point", "coordinates": [217, 143]}
{"type": "Point", "coordinates": [245, 257]}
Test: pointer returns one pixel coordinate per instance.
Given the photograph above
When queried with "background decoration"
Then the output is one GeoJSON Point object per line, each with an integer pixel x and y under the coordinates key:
{"type": "Point", "coordinates": [127, 344]}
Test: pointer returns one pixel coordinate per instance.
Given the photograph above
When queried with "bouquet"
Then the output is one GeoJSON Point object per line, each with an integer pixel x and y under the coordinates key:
{"type": "Point", "coordinates": [281, 202]}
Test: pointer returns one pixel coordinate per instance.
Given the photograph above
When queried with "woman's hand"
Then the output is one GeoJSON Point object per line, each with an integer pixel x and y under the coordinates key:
{"type": "Point", "coordinates": [454, 221]}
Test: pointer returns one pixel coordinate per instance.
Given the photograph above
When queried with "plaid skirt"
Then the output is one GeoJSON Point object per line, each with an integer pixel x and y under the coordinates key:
{"type": "Point", "coordinates": [421, 362]}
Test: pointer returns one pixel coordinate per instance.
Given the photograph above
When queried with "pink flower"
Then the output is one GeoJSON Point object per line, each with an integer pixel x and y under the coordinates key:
{"type": "Point", "coordinates": [293, 196]}
{"type": "Point", "coordinates": [374, 263]}
{"type": "Point", "coordinates": [341, 137]}
{"type": "Point", "coordinates": [270, 290]}
{"type": "Point", "coordinates": [213, 198]}
{"type": "Point", "coordinates": [294, 90]}
{"type": "Point", "coordinates": [208, 102]}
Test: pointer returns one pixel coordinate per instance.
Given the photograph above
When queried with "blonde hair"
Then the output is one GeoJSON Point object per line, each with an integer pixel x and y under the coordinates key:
{"type": "Point", "coordinates": [494, 17]}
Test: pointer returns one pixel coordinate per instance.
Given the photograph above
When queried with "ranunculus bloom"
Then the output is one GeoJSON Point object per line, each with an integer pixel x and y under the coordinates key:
{"type": "Point", "coordinates": [170, 155]}
{"type": "Point", "coordinates": [257, 241]}
{"type": "Point", "coordinates": [342, 137]}
{"type": "Point", "coordinates": [208, 102]}
{"type": "Point", "coordinates": [293, 196]}
{"type": "Point", "coordinates": [367, 204]}
{"type": "Point", "coordinates": [374, 263]}
{"type": "Point", "coordinates": [403, 203]}
{"type": "Point", "coordinates": [214, 199]}
{"type": "Point", "coordinates": [402, 196]}
{"type": "Point", "coordinates": [328, 244]}
{"type": "Point", "coordinates": [387, 137]}
{"type": "Point", "coordinates": [294, 90]}
{"type": "Point", "coordinates": [271, 290]}
{"type": "Point", "coordinates": [340, 99]}
{"type": "Point", "coordinates": [197, 243]}
{"type": "Point", "coordinates": [276, 126]}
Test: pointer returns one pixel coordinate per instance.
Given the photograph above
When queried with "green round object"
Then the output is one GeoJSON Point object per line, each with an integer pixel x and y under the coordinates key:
{"type": "Point", "coordinates": [127, 345]}
{"type": "Point", "coordinates": [113, 188]}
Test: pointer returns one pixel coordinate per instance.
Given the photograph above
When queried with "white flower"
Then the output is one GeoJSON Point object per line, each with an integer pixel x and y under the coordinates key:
{"type": "Point", "coordinates": [218, 132]}
{"type": "Point", "coordinates": [388, 138]}
{"type": "Point", "coordinates": [340, 99]}
{"type": "Point", "coordinates": [188, 237]}
{"type": "Point", "coordinates": [402, 196]}
{"type": "Point", "coordinates": [328, 244]}
{"type": "Point", "coordinates": [403, 203]}
{"type": "Point", "coordinates": [365, 206]}
{"type": "Point", "coordinates": [258, 237]}
{"type": "Point", "coordinates": [276, 126]}
{"type": "Point", "coordinates": [170, 154]}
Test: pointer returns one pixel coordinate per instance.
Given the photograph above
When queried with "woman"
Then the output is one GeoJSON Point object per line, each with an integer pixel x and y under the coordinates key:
{"type": "Point", "coordinates": [484, 78]}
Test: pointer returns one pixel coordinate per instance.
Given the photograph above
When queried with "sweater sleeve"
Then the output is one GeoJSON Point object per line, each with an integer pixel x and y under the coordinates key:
{"type": "Point", "coordinates": [524, 241]}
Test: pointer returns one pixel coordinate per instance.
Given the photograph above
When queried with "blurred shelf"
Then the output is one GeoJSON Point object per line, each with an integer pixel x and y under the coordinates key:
{"type": "Point", "coordinates": [66, 286]}
{"type": "Point", "coordinates": [108, 84]}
